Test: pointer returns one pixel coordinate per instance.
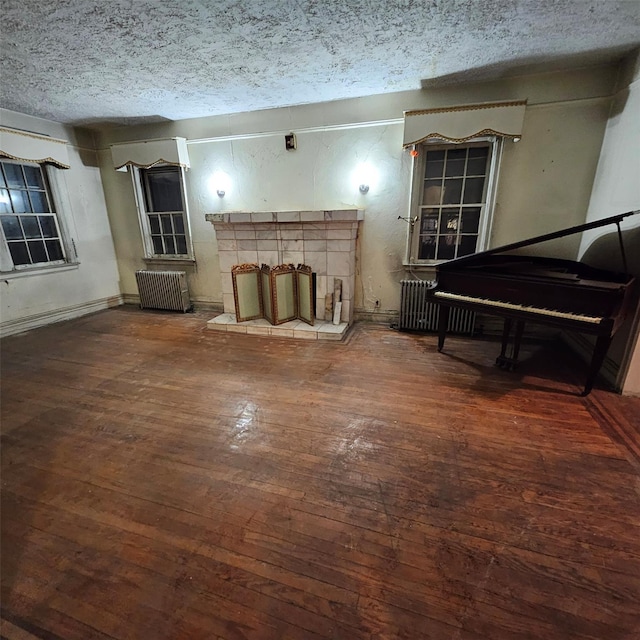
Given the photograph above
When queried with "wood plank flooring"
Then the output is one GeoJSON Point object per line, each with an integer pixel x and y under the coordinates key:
{"type": "Point", "coordinates": [162, 481]}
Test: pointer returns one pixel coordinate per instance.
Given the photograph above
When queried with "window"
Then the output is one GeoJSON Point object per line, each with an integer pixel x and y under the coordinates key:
{"type": "Point", "coordinates": [452, 199]}
{"type": "Point", "coordinates": [29, 221]}
{"type": "Point", "coordinates": [163, 215]}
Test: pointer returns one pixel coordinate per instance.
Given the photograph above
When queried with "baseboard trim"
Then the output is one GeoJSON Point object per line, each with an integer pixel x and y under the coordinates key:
{"type": "Point", "coordinates": [34, 321]}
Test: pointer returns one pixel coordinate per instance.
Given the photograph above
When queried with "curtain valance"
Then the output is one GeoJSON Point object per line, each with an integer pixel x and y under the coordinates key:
{"type": "Point", "coordinates": [149, 153]}
{"type": "Point", "coordinates": [459, 124]}
{"type": "Point", "coordinates": [32, 147]}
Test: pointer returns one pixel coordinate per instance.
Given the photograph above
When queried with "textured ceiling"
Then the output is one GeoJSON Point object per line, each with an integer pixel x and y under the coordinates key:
{"type": "Point", "coordinates": [88, 61]}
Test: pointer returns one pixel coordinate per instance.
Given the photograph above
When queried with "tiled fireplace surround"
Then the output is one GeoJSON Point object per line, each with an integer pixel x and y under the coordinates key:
{"type": "Point", "coordinates": [324, 240]}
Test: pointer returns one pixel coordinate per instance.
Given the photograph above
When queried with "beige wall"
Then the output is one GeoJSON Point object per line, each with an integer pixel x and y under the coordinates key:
{"type": "Point", "coordinates": [545, 183]}
{"type": "Point", "coordinates": [34, 298]}
{"type": "Point", "coordinates": [616, 189]}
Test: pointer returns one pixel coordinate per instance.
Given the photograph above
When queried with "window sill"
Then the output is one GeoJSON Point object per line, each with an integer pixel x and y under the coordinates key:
{"type": "Point", "coordinates": [174, 262]}
{"type": "Point", "coordinates": [38, 271]}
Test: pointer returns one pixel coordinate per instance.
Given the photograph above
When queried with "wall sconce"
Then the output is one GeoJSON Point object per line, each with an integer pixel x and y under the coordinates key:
{"type": "Point", "coordinates": [364, 177]}
{"type": "Point", "coordinates": [219, 183]}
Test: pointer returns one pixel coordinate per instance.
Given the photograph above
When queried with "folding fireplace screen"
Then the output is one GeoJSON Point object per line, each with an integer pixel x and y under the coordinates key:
{"type": "Point", "coordinates": [279, 294]}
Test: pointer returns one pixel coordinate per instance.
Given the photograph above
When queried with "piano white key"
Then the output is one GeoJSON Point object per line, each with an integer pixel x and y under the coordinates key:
{"type": "Point", "coordinates": [518, 307]}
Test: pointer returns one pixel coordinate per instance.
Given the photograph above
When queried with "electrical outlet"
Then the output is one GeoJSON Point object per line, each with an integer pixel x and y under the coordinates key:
{"type": "Point", "coordinates": [377, 304]}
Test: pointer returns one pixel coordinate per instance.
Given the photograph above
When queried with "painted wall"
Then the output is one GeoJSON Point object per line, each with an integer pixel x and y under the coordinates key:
{"type": "Point", "coordinates": [545, 182]}
{"type": "Point", "coordinates": [33, 299]}
{"type": "Point", "coordinates": [616, 189]}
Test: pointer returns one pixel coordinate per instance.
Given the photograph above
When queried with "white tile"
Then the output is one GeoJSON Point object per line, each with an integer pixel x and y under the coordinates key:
{"type": "Point", "coordinates": [288, 216]}
{"type": "Point", "coordinates": [292, 245]}
{"type": "Point", "coordinates": [245, 234]}
{"type": "Point", "coordinates": [339, 234]}
{"type": "Point", "coordinates": [245, 257]}
{"type": "Point", "coordinates": [311, 216]}
{"type": "Point", "coordinates": [266, 234]}
{"type": "Point", "coordinates": [227, 245]}
{"type": "Point", "coordinates": [287, 233]}
{"type": "Point", "coordinates": [236, 328]}
{"type": "Point", "coordinates": [227, 259]}
{"type": "Point", "coordinates": [267, 245]}
{"type": "Point", "coordinates": [229, 303]}
{"type": "Point", "coordinates": [225, 234]}
{"type": "Point", "coordinates": [227, 284]}
{"type": "Point", "coordinates": [279, 332]}
{"type": "Point", "coordinates": [216, 327]}
{"type": "Point", "coordinates": [292, 257]}
{"type": "Point", "coordinates": [314, 234]}
{"type": "Point", "coordinates": [345, 214]}
{"type": "Point", "coordinates": [292, 324]}
{"type": "Point", "coordinates": [317, 260]}
{"type": "Point", "coordinates": [262, 216]}
{"type": "Point", "coordinates": [315, 245]}
{"type": "Point", "coordinates": [270, 258]}
{"type": "Point", "coordinates": [337, 245]}
{"type": "Point", "coordinates": [321, 287]}
{"type": "Point", "coordinates": [339, 264]}
{"type": "Point", "coordinates": [247, 245]}
{"type": "Point", "coordinates": [305, 335]}
{"type": "Point", "coordinates": [239, 217]}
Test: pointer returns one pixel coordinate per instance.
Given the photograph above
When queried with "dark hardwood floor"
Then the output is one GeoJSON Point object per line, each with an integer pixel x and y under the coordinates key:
{"type": "Point", "coordinates": [162, 481]}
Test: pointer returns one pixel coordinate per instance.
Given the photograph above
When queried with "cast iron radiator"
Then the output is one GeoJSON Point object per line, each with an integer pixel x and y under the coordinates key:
{"type": "Point", "coordinates": [419, 313]}
{"type": "Point", "coordinates": [163, 290]}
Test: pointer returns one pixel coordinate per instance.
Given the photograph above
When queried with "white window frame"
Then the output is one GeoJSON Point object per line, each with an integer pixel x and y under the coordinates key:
{"type": "Point", "coordinates": [60, 208]}
{"type": "Point", "coordinates": [143, 217]}
{"type": "Point", "coordinates": [496, 144]}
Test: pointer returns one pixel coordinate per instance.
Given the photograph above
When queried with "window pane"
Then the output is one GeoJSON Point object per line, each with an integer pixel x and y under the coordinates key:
{"type": "Point", "coordinates": [34, 177]}
{"type": "Point", "coordinates": [163, 190]}
{"type": "Point", "coordinates": [20, 201]}
{"type": "Point", "coordinates": [19, 253]}
{"type": "Point", "coordinates": [5, 202]}
{"type": "Point", "coordinates": [446, 247]}
{"type": "Point", "coordinates": [449, 221]}
{"type": "Point", "coordinates": [3, 184]}
{"type": "Point", "coordinates": [178, 223]}
{"type": "Point", "coordinates": [154, 223]}
{"type": "Point", "coordinates": [31, 227]}
{"type": "Point", "coordinates": [434, 168]}
{"type": "Point", "coordinates": [467, 245]}
{"type": "Point", "coordinates": [13, 174]}
{"type": "Point", "coordinates": [477, 163]}
{"type": "Point", "coordinates": [39, 201]}
{"type": "Point", "coordinates": [427, 248]}
{"type": "Point", "coordinates": [169, 244]}
{"type": "Point", "coordinates": [432, 192]}
{"type": "Point", "coordinates": [181, 245]}
{"type": "Point", "coordinates": [157, 244]}
{"type": "Point", "coordinates": [48, 226]}
{"type": "Point", "coordinates": [11, 227]}
{"type": "Point", "coordinates": [452, 191]}
{"type": "Point", "coordinates": [470, 220]}
{"type": "Point", "coordinates": [55, 249]}
{"type": "Point", "coordinates": [166, 224]}
{"type": "Point", "coordinates": [37, 251]}
{"type": "Point", "coordinates": [473, 189]}
{"type": "Point", "coordinates": [456, 159]}
{"type": "Point", "coordinates": [429, 223]}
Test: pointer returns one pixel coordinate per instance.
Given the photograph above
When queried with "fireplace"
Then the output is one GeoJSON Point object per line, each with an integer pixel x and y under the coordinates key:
{"type": "Point", "coordinates": [324, 240]}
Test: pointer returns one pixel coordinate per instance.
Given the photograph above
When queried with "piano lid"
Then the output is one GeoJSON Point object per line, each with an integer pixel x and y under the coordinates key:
{"type": "Point", "coordinates": [471, 258]}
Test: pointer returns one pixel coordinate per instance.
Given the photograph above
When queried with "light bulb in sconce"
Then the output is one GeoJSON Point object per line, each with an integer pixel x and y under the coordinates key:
{"type": "Point", "coordinates": [219, 183]}
{"type": "Point", "coordinates": [364, 177]}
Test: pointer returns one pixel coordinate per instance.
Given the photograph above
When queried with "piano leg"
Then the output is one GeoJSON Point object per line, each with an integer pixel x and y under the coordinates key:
{"type": "Point", "coordinates": [599, 352]}
{"type": "Point", "coordinates": [443, 323]}
{"type": "Point", "coordinates": [503, 361]}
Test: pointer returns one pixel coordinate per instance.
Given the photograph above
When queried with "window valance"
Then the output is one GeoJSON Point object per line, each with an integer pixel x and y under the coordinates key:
{"type": "Point", "coordinates": [32, 147]}
{"type": "Point", "coordinates": [462, 123]}
{"type": "Point", "coordinates": [150, 153]}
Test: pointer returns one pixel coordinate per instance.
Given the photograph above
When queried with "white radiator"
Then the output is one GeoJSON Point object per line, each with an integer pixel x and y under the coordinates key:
{"type": "Point", "coordinates": [419, 313]}
{"type": "Point", "coordinates": [163, 290]}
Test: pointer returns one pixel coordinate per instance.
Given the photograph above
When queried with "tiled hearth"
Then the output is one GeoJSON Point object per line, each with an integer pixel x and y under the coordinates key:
{"type": "Point", "coordinates": [324, 240]}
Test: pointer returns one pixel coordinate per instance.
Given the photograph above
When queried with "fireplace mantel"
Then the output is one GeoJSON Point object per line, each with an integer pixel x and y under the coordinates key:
{"type": "Point", "coordinates": [266, 217]}
{"type": "Point", "coordinates": [324, 240]}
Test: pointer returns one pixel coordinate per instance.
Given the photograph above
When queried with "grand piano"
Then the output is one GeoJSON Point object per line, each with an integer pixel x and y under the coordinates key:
{"type": "Point", "coordinates": [550, 291]}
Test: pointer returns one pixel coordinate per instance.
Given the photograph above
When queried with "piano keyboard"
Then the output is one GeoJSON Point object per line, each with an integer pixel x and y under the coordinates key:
{"type": "Point", "coordinates": [517, 307]}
